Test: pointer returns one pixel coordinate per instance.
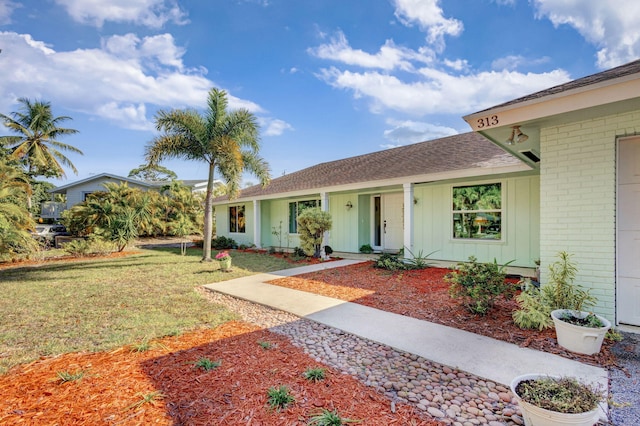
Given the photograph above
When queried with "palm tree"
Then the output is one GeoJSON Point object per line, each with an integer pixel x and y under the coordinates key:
{"type": "Point", "coordinates": [227, 140]}
{"type": "Point", "coordinates": [15, 221]}
{"type": "Point", "coordinates": [36, 144]}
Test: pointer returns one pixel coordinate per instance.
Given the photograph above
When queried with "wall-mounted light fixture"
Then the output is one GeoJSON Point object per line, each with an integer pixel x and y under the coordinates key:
{"type": "Point", "coordinates": [349, 206]}
{"type": "Point", "coordinates": [516, 136]}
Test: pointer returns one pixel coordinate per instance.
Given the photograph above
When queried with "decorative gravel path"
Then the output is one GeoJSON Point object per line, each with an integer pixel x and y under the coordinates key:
{"type": "Point", "coordinates": [449, 395]}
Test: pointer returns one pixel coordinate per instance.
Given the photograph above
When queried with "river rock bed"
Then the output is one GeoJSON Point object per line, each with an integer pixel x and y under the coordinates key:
{"type": "Point", "coordinates": [446, 394]}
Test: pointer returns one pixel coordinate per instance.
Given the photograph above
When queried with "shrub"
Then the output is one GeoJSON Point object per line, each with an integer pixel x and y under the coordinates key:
{"type": "Point", "coordinates": [479, 285]}
{"type": "Point", "coordinates": [88, 247]}
{"type": "Point", "coordinates": [559, 293]}
{"type": "Point", "coordinates": [298, 252]}
{"type": "Point", "coordinates": [390, 262]}
{"type": "Point", "coordinates": [366, 249]}
{"type": "Point", "coordinates": [223, 242]}
{"type": "Point", "coordinates": [312, 224]}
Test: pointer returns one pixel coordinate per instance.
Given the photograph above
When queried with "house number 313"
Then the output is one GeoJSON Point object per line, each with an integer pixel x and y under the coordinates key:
{"type": "Point", "coordinates": [487, 121]}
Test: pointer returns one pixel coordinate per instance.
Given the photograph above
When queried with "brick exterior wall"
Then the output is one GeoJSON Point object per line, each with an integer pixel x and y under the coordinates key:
{"type": "Point", "coordinates": [578, 201]}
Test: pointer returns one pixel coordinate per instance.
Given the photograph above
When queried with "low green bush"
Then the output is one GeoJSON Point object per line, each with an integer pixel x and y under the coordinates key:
{"type": "Point", "coordinates": [89, 247]}
{"type": "Point", "coordinates": [390, 262]}
{"type": "Point", "coordinates": [366, 249]}
{"type": "Point", "coordinates": [223, 242]}
{"type": "Point", "coordinates": [478, 285]}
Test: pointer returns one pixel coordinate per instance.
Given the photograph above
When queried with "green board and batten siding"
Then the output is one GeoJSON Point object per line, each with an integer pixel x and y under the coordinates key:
{"type": "Point", "coordinates": [520, 225]}
{"type": "Point", "coordinates": [432, 222]}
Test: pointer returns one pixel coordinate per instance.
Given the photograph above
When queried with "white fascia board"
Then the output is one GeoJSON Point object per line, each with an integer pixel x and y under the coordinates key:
{"type": "Point", "coordinates": [595, 95]}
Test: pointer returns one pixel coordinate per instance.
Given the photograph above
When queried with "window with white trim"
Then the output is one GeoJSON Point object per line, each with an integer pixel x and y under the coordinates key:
{"type": "Point", "coordinates": [236, 219]}
{"type": "Point", "coordinates": [477, 211]}
{"type": "Point", "coordinates": [297, 207]}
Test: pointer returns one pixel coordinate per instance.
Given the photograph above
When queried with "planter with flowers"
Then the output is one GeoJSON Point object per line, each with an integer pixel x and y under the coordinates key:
{"type": "Point", "coordinates": [224, 258]}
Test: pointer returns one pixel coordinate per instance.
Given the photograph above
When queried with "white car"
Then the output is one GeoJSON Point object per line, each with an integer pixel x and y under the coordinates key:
{"type": "Point", "coordinates": [48, 233]}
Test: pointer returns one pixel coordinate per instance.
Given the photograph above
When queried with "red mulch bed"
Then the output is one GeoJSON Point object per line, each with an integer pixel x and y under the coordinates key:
{"type": "Point", "coordinates": [424, 294]}
{"type": "Point", "coordinates": [163, 386]}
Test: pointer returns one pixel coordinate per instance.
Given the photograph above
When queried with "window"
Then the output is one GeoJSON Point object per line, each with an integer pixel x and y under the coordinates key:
{"type": "Point", "coordinates": [477, 212]}
{"type": "Point", "coordinates": [295, 209]}
{"type": "Point", "coordinates": [236, 219]}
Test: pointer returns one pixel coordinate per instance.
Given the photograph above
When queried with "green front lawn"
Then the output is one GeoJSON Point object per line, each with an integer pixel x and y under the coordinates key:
{"type": "Point", "coordinates": [99, 304]}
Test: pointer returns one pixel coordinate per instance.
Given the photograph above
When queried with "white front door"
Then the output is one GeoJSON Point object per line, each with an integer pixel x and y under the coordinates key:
{"type": "Point", "coordinates": [628, 241]}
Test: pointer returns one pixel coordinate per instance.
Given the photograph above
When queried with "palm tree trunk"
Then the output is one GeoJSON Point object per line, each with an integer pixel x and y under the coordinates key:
{"type": "Point", "coordinates": [208, 217]}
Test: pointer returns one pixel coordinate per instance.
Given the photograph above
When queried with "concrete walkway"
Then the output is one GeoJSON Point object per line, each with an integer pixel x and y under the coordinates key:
{"type": "Point", "coordinates": [482, 356]}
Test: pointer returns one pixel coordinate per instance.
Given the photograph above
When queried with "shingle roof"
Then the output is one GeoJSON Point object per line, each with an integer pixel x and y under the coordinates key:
{"type": "Point", "coordinates": [611, 74]}
{"type": "Point", "coordinates": [458, 152]}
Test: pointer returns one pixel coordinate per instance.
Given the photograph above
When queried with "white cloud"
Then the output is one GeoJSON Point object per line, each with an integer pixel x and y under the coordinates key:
{"type": "Point", "coordinates": [159, 49]}
{"type": "Point", "coordinates": [110, 83]}
{"type": "Point", "coordinates": [150, 13]}
{"type": "Point", "coordinates": [6, 9]}
{"type": "Point", "coordinates": [612, 26]}
{"type": "Point", "coordinates": [408, 131]}
{"type": "Point", "coordinates": [275, 127]}
{"type": "Point", "coordinates": [429, 16]}
{"type": "Point", "coordinates": [439, 92]}
{"type": "Point", "coordinates": [389, 57]}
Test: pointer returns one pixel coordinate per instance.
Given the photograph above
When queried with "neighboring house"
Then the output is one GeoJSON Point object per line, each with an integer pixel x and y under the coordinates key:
{"type": "Point", "coordinates": [76, 192]}
{"type": "Point", "coordinates": [558, 170]}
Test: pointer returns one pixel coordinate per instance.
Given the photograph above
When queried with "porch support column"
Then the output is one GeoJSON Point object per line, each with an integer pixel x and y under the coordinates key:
{"type": "Point", "coordinates": [408, 219]}
{"type": "Point", "coordinates": [324, 203]}
{"type": "Point", "coordinates": [257, 218]}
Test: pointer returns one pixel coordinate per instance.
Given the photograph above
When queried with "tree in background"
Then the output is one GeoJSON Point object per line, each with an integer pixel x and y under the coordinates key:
{"type": "Point", "coordinates": [15, 221]}
{"type": "Point", "coordinates": [36, 146]}
{"type": "Point", "coordinates": [312, 224]}
{"type": "Point", "coordinates": [228, 141]}
{"type": "Point", "coordinates": [120, 214]}
{"type": "Point", "coordinates": [152, 173]}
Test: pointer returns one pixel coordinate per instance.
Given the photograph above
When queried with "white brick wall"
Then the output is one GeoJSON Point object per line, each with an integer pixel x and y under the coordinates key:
{"type": "Point", "coordinates": [577, 207]}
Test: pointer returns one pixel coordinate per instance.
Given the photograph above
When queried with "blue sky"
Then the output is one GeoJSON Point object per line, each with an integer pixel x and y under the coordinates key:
{"type": "Point", "coordinates": [327, 79]}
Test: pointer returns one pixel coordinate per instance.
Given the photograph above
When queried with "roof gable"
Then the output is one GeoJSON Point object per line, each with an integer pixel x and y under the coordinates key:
{"type": "Point", "coordinates": [63, 189]}
{"type": "Point", "coordinates": [611, 76]}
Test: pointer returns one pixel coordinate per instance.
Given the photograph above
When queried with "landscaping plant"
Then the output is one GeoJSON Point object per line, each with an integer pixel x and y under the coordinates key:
{"type": "Point", "coordinates": [314, 374]}
{"type": "Point", "coordinates": [206, 364]}
{"type": "Point", "coordinates": [419, 260]}
{"type": "Point", "coordinates": [560, 292]}
{"type": "Point", "coordinates": [330, 418]}
{"type": "Point", "coordinates": [65, 376]}
{"type": "Point", "coordinates": [390, 262]}
{"type": "Point", "coordinates": [366, 249]}
{"type": "Point", "coordinates": [562, 395]}
{"type": "Point", "coordinates": [279, 398]}
{"type": "Point", "coordinates": [312, 224]}
{"type": "Point", "coordinates": [478, 285]}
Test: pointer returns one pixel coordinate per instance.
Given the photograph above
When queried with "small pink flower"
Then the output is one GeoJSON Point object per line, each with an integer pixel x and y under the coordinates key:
{"type": "Point", "coordinates": [223, 255]}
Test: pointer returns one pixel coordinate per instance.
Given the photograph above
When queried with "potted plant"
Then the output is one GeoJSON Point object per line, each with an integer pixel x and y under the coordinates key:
{"type": "Point", "coordinates": [224, 258]}
{"type": "Point", "coordinates": [579, 331]}
{"type": "Point", "coordinates": [551, 400]}
{"type": "Point", "coordinates": [576, 329]}
{"type": "Point", "coordinates": [563, 303]}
